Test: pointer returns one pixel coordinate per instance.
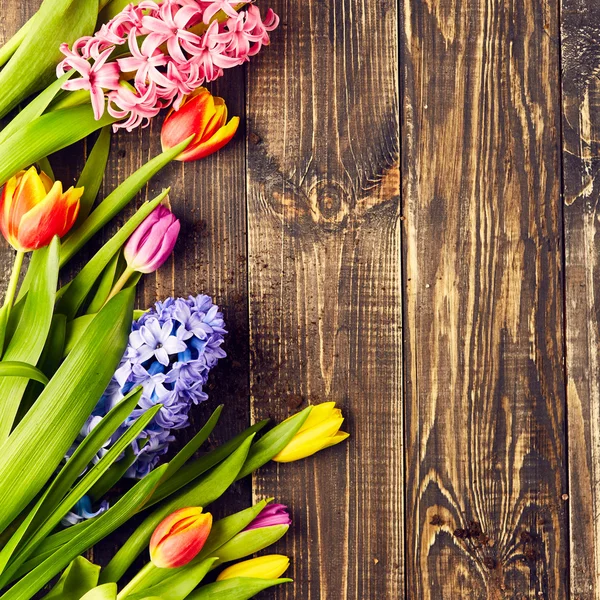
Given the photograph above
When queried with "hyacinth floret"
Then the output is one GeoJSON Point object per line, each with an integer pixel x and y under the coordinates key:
{"type": "Point", "coordinates": [151, 55]}
{"type": "Point", "coordinates": [170, 352]}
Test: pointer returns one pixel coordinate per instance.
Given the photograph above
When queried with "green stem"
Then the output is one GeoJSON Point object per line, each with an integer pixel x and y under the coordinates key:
{"type": "Point", "coordinates": [127, 273]}
{"type": "Point", "coordinates": [134, 583]}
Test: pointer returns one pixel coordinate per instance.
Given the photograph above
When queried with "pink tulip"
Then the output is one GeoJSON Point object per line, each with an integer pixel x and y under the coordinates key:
{"type": "Point", "coordinates": [272, 514]}
{"type": "Point", "coordinates": [153, 241]}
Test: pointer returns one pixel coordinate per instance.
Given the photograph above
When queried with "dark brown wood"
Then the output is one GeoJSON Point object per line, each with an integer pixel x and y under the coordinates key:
{"type": "Point", "coordinates": [484, 378]}
{"type": "Point", "coordinates": [581, 168]}
{"type": "Point", "coordinates": [324, 281]}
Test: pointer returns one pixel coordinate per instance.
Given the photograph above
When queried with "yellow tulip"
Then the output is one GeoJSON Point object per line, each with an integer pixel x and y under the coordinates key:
{"type": "Point", "coordinates": [271, 566]}
{"type": "Point", "coordinates": [320, 430]}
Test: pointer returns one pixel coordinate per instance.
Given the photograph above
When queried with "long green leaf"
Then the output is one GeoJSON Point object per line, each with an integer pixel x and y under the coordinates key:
{"type": "Point", "coordinates": [179, 585]}
{"type": "Point", "coordinates": [21, 369]}
{"type": "Point", "coordinates": [37, 445]}
{"type": "Point", "coordinates": [45, 135]}
{"type": "Point", "coordinates": [116, 201]}
{"type": "Point", "coordinates": [192, 446]}
{"type": "Point", "coordinates": [33, 64]}
{"type": "Point", "coordinates": [92, 175]}
{"type": "Point", "coordinates": [200, 493]}
{"type": "Point", "coordinates": [273, 442]}
{"type": "Point", "coordinates": [193, 470]}
{"type": "Point", "coordinates": [27, 343]}
{"type": "Point", "coordinates": [104, 286]}
{"type": "Point", "coordinates": [35, 108]}
{"type": "Point", "coordinates": [88, 481]}
{"type": "Point", "coordinates": [49, 362]}
{"type": "Point", "coordinates": [47, 507]}
{"type": "Point", "coordinates": [80, 286]}
{"type": "Point", "coordinates": [100, 527]}
{"type": "Point", "coordinates": [238, 588]}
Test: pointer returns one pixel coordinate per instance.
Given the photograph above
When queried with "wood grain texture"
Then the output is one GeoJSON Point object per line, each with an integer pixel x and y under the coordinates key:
{"type": "Point", "coordinates": [581, 168]}
{"type": "Point", "coordinates": [484, 382]}
{"type": "Point", "coordinates": [324, 282]}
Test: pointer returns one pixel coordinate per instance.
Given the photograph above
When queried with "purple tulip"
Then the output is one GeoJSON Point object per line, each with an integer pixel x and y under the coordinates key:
{"type": "Point", "coordinates": [272, 514]}
{"type": "Point", "coordinates": [153, 241]}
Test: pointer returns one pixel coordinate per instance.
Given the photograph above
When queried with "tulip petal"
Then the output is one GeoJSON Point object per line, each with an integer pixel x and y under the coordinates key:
{"type": "Point", "coordinates": [340, 436]}
{"type": "Point", "coordinates": [271, 566]}
{"type": "Point", "coordinates": [216, 142]}
{"type": "Point", "coordinates": [54, 215]}
{"type": "Point", "coordinates": [318, 414]}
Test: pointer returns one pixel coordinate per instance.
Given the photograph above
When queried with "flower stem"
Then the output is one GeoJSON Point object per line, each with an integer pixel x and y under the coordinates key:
{"type": "Point", "coordinates": [10, 296]}
{"type": "Point", "coordinates": [134, 583]}
{"type": "Point", "coordinates": [127, 273]}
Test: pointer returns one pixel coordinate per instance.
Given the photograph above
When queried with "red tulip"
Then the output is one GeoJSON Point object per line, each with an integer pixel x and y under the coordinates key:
{"type": "Point", "coordinates": [33, 210]}
{"type": "Point", "coordinates": [179, 537]}
{"type": "Point", "coordinates": [203, 116]}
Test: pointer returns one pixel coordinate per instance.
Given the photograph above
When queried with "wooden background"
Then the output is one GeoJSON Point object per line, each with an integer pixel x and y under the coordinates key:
{"type": "Point", "coordinates": [408, 224]}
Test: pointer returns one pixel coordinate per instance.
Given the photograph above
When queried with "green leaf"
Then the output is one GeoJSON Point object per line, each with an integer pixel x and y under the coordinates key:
{"type": "Point", "coordinates": [104, 286]}
{"type": "Point", "coordinates": [80, 286]}
{"type": "Point", "coordinates": [178, 585]}
{"type": "Point", "coordinates": [33, 64]}
{"type": "Point", "coordinates": [75, 331]}
{"type": "Point", "coordinates": [45, 135]}
{"type": "Point", "coordinates": [192, 446]}
{"type": "Point", "coordinates": [27, 343]}
{"type": "Point", "coordinates": [238, 588]}
{"type": "Point", "coordinates": [198, 467]}
{"type": "Point", "coordinates": [35, 108]}
{"type": "Point", "coordinates": [92, 175]}
{"type": "Point", "coordinates": [59, 498]}
{"type": "Point", "coordinates": [86, 482]}
{"type": "Point", "coordinates": [200, 493]}
{"type": "Point", "coordinates": [35, 448]}
{"type": "Point", "coordinates": [49, 362]}
{"type": "Point", "coordinates": [99, 528]}
{"type": "Point", "coordinates": [116, 201]}
{"type": "Point", "coordinates": [108, 591]}
{"type": "Point", "coordinates": [21, 369]}
{"type": "Point", "coordinates": [44, 165]}
{"type": "Point", "coordinates": [273, 442]}
{"type": "Point", "coordinates": [113, 475]}
{"type": "Point", "coordinates": [79, 577]}
{"type": "Point", "coordinates": [222, 531]}
{"type": "Point", "coordinates": [246, 543]}
{"type": "Point", "coordinates": [11, 46]}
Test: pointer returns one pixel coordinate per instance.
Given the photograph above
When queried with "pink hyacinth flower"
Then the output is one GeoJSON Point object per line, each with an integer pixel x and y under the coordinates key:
{"type": "Point", "coordinates": [272, 514]}
{"type": "Point", "coordinates": [209, 55]}
{"type": "Point", "coordinates": [95, 78]}
{"type": "Point", "coordinates": [145, 65]}
{"type": "Point", "coordinates": [212, 7]}
{"type": "Point", "coordinates": [153, 241]}
{"type": "Point", "coordinates": [170, 27]}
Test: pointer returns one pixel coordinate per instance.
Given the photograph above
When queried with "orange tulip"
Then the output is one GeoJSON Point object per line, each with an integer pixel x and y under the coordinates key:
{"type": "Point", "coordinates": [33, 210]}
{"type": "Point", "coordinates": [203, 116]}
{"type": "Point", "coordinates": [179, 537]}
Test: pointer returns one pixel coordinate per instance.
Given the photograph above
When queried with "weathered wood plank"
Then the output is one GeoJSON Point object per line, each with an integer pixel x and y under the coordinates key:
{"type": "Point", "coordinates": [581, 168]}
{"type": "Point", "coordinates": [324, 282]}
{"type": "Point", "coordinates": [486, 465]}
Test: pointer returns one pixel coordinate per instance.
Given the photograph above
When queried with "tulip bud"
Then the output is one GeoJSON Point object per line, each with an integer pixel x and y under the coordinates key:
{"type": "Point", "coordinates": [271, 566]}
{"type": "Point", "coordinates": [153, 241]}
{"type": "Point", "coordinates": [179, 538]}
{"type": "Point", "coordinates": [320, 430]}
{"type": "Point", "coordinates": [33, 210]}
{"type": "Point", "coordinates": [272, 514]}
{"type": "Point", "coordinates": [205, 117]}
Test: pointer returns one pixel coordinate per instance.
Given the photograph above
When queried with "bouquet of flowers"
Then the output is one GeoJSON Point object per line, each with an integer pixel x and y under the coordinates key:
{"type": "Point", "coordinates": [91, 391]}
